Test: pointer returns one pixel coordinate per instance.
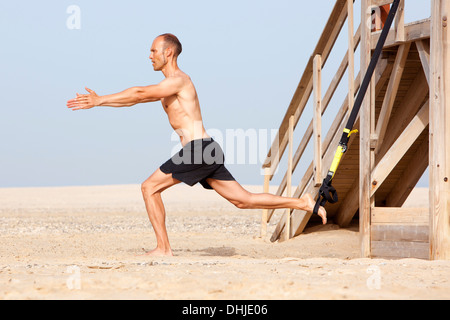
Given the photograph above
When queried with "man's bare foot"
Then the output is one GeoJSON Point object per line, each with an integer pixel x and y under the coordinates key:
{"type": "Point", "coordinates": [159, 253]}
{"type": "Point", "coordinates": [310, 207]}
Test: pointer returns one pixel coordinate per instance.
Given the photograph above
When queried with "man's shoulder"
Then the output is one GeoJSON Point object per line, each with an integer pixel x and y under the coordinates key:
{"type": "Point", "coordinates": [183, 77]}
{"type": "Point", "coordinates": [179, 78]}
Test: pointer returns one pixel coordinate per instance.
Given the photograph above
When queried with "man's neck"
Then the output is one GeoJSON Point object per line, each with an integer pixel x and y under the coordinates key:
{"type": "Point", "coordinates": [170, 69]}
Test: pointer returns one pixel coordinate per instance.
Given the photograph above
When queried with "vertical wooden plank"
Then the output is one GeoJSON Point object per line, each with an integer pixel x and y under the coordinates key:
{"type": "Point", "coordinates": [265, 213]}
{"type": "Point", "coordinates": [371, 113]}
{"type": "Point", "coordinates": [317, 121]}
{"type": "Point", "coordinates": [351, 55]}
{"type": "Point", "coordinates": [365, 127]}
{"type": "Point", "coordinates": [291, 151]}
{"type": "Point", "coordinates": [372, 88]}
{"type": "Point", "coordinates": [400, 22]}
{"type": "Point", "coordinates": [440, 131]}
{"type": "Point", "coordinates": [289, 177]}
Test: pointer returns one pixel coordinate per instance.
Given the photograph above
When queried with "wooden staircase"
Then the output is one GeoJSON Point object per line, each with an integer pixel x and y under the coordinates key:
{"type": "Point", "coordinates": [388, 156]}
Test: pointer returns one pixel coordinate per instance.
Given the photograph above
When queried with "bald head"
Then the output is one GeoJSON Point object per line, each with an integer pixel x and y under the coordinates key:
{"type": "Point", "coordinates": [171, 41]}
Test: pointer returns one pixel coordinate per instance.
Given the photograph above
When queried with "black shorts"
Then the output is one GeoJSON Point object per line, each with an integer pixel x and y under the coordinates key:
{"type": "Point", "coordinates": [197, 161]}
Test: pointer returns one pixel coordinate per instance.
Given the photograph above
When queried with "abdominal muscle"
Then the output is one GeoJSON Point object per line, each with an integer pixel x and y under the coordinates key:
{"type": "Point", "coordinates": [192, 132]}
{"type": "Point", "coordinates": [187, 127]}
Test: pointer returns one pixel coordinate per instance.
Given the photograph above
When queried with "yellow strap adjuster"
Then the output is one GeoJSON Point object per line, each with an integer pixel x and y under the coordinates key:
{"type": "Point", "coordinates": [350, 132]}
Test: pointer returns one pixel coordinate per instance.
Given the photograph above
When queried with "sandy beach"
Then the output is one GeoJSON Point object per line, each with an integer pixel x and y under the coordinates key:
{"type": "Point", "coordinates": [86, 242]}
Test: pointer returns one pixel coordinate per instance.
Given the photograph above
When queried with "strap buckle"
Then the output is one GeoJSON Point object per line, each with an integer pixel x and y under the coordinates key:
{"type": "Point", "coordinates": [327, 193]}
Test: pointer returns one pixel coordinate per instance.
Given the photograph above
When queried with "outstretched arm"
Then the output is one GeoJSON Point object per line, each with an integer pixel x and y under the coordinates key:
{"type": "Point", "coordinates": [127, 98]}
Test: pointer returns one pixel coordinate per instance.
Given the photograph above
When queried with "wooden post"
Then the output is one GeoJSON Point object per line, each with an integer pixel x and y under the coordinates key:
{"type": "Point", "coordinates": [365, 128]}
{"type": "Point", "coordinates": [351, 56]}
{"type": "Point", "coordinates": [440, 131]}
{"type": "Point", "coordinates": [317, 121]}
{"type": "Point", "coordinates": [289, 177]}
{"type": "Point", "coordinates": [265, 213]}
{"type": "Point", "coordinates": [400, 23]}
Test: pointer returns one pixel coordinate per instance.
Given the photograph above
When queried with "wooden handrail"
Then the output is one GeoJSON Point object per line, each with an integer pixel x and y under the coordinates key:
{"type": "Point", "coordinates": [303, 93]}
{"type": "Point", "coordinates": [325, 45]}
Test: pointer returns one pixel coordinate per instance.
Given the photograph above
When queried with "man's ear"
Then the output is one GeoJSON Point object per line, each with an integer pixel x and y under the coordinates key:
{"type": "Point", "coordinates": [169, 52]}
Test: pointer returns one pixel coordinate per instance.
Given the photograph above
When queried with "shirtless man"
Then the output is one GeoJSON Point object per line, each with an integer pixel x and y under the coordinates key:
{"type": "Point", "coordinates": [193, 164]}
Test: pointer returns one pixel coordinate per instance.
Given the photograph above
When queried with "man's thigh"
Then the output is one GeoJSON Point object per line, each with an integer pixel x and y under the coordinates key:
{"type": "Point", "coordinates": [230, 190]}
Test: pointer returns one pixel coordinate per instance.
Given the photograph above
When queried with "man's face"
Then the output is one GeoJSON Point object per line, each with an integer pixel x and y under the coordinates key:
{"type": "Point", "coordinates": [157, 55]}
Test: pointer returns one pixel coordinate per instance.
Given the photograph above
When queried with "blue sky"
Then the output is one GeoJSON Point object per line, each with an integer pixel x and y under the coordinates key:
{"type": "Point", "coordinates": [245, 58]}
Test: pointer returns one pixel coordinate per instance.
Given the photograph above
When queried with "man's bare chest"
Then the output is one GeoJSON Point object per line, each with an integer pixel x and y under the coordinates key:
{"type": "Point", "coordinates": [169, 103]}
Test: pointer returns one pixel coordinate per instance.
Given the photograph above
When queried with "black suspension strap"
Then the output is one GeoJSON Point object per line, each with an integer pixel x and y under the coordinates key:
{"type": "Point", "coordinates": [327, 193]}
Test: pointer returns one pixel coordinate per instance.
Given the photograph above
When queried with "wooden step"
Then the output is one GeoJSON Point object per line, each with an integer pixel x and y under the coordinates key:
{"type": "Point", "coordinates": [400, 233]}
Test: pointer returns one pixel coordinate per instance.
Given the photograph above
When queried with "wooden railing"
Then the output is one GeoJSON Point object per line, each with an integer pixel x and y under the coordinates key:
{"type": "Point", "coordinates": [311, 84]}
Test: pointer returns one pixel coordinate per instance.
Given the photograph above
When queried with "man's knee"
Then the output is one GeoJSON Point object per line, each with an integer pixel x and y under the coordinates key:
{"type": "Point", "coordinates": [244, 202]}
{"type": "Point", "coordinates": [148, 187]}
{"type": "Point", "coordinates": [242, 205]}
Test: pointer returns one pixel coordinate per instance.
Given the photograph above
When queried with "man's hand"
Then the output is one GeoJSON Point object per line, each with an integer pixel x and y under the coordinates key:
{"type": "Point", "coordinates": [84, 101]}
